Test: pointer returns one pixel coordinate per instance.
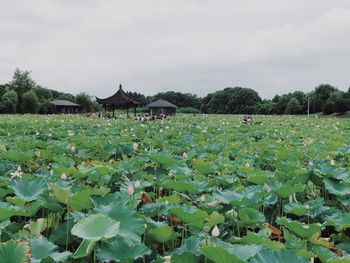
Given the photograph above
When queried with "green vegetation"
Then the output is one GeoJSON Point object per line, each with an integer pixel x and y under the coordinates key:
{"type": "Point", "coordinates": [198, 189]}
{"type": "Point", "coordinates": [23, 95]}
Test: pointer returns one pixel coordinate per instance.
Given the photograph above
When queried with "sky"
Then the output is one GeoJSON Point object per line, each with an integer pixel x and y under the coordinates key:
{"type": "Point", "coordinates": [191, 46]}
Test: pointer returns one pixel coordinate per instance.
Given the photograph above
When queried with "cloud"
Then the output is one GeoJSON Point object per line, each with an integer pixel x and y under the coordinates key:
{"type": "Point", "coordinates": [196, 46]}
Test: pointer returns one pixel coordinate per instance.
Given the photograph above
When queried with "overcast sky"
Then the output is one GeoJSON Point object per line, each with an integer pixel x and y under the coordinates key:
{"type": "Point", "coordinates": [196, 46]}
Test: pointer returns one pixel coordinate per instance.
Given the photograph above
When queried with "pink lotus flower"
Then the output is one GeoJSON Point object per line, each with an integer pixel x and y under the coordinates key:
{"type": "Point", "coordinates": [131, 189]}
{"type": "Point", "coordinates": [64, 176]}
{"type": "Point", "coordinates": [215, 232]}
{"type": "Point", "coordinates": [137, 184]}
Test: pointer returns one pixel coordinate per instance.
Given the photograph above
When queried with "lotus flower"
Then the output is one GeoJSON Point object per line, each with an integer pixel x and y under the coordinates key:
{"type": "Point", "coordinates": [185, 155]}
{"type": "Point", "coordinates": [215, 232]}
{"type": "Point", "coordinates": [135, 146]}
{"type": "Point", "coordinates": [17, 174]}
{"type": "Point", "coordinates": [131, 189]}
{"type": "Point", "coordinates": [64, 176]}
{"type": "Point", "coordinates": [137, 184]}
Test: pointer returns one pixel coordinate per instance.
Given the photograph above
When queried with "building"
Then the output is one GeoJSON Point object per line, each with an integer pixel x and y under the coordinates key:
{"type": "Point", "coordinates": [65, 107]}
{"type": "Point", "coordinates": [161, 107]}
{"type": "Point", "coordinates": [120, 100]}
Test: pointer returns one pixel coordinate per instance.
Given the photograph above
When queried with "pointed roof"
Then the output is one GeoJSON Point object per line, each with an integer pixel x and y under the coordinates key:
{"type": "Point", "coordinates": [119, 99]}
{"type": "Point", "coordinates": [161, 104]}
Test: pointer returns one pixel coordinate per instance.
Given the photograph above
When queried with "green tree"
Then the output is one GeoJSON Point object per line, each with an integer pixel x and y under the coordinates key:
{"type": "Point", "coordinates": [84, 101]}
{"type": "Point", "coordinates": [30, 102]}
{"type": "Point", "coordinates": [232, 100]}
{"type": "Point", "coordinates": [21, 83]}
{"type": "Point", "coordinates": [293, 106]}
{"type": "Point", "coordinates": [328, 107]}
{"type": "Point", "coordinates": [8, 101]}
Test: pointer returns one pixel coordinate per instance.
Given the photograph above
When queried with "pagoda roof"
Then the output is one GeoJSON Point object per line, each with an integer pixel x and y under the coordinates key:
{"type": "Point", "coordinates": [119, 99]}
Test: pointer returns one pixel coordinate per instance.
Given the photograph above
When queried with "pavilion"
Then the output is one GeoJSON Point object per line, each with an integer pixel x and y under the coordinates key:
{"type": "Point", "coordinates": [120, 100]}
{"type": "Point", "coordinates": [162, 107]}
{"type": "Point", "coordinates": [65, 107]}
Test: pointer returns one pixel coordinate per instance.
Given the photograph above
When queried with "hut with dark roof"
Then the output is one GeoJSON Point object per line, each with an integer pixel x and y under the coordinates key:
{"type": "Point", "coordinates": [161, 107]}
{"type": "Point", "coordinates": [120, 100]}
{"type": "Point", "coordinates": [65, 107]}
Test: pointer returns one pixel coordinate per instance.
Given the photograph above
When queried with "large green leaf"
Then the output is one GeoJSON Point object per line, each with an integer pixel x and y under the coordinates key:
{"type": "Point", "coordinates": [340, 221]}
{"type": "Point", "coordinates": [219, 254]}
{"type": "Point", "coordinates": [271, 256]}
{"type": "Point", "coordinates": [251, 216]}
{"type": "Point", "coordinates": [162, 234]}
{"type": "Point", "coordinates": [7, 210]}
{"type": "Point", "coordinates": [13, 252]}
{"type": "Point", "coordinates": [29, 190]}
{"type": "Point", "coordinates": [42, 249]}
{"type": "Point", "coordinates": [189, 215]}
{"type": "Point", "coordinates": [131, 224]}
{"type": "Point", "coordinates": [96, 227]}
{"type": "Point", "coordinates": [81, 200]}
{"type": "Point", "coordinates": [337, 188]}
{"type": "Point", "coordinates": [85, 248]}
{"type": "Point", "coordinates": [117, 249]}
{"type": "Point", "coordinates": [300, 229]}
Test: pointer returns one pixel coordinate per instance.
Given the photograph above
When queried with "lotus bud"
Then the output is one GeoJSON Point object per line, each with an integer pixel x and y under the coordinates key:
{"type": "Point", "coordinates": [137, 184]}
{"type": "Point", "coordinates": [267, 188]}
{"type": "Point", "coordinates": [170, 173]}
{"type": "Point", "coordinates": [202, 198]}
{"type": "Point", "coordinates": [167, 259]}
{"type": "Point", "coordinates": [332, 162]}
{"type": "Point", "coordinates": [19, 169]}
{"type": "Point", "coordinates": [130, 189]}
{"type": "Point", "coordinates": [310, 163]}
{"type": "Point", "coordinates": [307, 207]}
{"type": "Point", "coordinates": [206, 229]}
{"type": "Point", "coordinates": [135, 146]}
{"type": "Point", "coordinates": [247, 165]}
{"type": "Point", "coordinates": [328, 158]}
{"type": "Point", "coordinates": [185, 155]}
{"type": "Point", "coordinates": [215, 232]}
{"type": "Point", "coordinates": [63, 176]}
{"type": "Point", "coordinates": [72, 149]}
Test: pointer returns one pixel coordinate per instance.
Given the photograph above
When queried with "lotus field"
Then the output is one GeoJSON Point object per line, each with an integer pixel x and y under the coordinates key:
{"type": "Point", "coordinates": [186, 189]}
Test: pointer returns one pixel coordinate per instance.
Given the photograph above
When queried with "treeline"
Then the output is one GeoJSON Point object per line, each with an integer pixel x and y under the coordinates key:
{"type": "Point", "coordinates": [23, 95]}
{"type": "Point", "coordinates": [324, 98]}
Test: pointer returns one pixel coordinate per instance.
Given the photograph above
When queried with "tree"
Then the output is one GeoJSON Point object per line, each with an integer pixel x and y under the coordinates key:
{"type": "Point", "coordinates": [232, 100]}
{"type": "Point", "coordinates": [84, 101]}
{"type": "Point", "coordinates": [293, 106]}
{"type": "Point", "coordinates": [30, 102]}
{"type": "Point", "coordinates": [8, 101]}
{"type": "Point", "coordinates": [21, 83]}
{"type": "Point", "coordinates": [321, 95]}
{"type": "Point", "coordinates": [342, 105]}
{"type": "Point", "coordinates": [328, 107]}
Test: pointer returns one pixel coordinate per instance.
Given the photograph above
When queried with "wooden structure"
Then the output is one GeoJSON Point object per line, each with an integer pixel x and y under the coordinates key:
{"type": "Point", "coordinates": [120, 100]}
{"type": "Point", "coordinates": [161, 107]}
{"type": "Point", "coordinates": [65, 107]}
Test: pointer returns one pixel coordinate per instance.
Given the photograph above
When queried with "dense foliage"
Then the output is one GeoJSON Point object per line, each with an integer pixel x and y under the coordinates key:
{"type": "Point", "coordinates": [23, 95]}
{"type": "Point", "coordinates": [198, 189]}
